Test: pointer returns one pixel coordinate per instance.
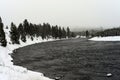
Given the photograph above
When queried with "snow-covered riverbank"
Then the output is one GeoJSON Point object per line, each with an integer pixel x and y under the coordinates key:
{"type": "Point", "coordinates": [109, 38]}
{"type": "Point", "coordinates": [8, 71]}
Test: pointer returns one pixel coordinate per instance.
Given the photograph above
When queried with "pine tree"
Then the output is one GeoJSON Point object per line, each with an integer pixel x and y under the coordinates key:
{"type": "Point", "coordinates": [60, 33]}
{"type": "Point", "coordinates": [53, 35]}
{"type": "Point", "coordinates": [48, 30]}
{"type": "Point", "coordinates": [56, 32]}
{"type": "Point", "coordinates": [43, 31]}
{"type": "Point", "coordinates": [32, 30]}
{"type": "Point", "coordinates": [20, 29]}
{"type": "Point", "coordinates": [14, 34]}
{"type": "Point", "coordinates": [87, 33]}
{"type": "Point", "coordinates": [73, 34]}
{"type": "Point", "coordinates": [23, 38]}
{"type": "Point", "coordinates": [63, 33]}
{"type": "Point", "coordinates": [22, 32]}
{"type": "Point", "coordinates": [68, 32]}
{"type": "Point", "coordinates": [2, 34]}
{"type": "Point", "coordinates": [26, 27]}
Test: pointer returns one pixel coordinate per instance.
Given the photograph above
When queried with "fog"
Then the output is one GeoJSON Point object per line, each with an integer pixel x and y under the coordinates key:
{"type": "Point", "coordinates": [78, 14]}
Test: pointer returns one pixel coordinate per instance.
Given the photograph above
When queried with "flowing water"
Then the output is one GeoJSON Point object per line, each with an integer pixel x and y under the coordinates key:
{"type": "Point", "coordinates": [73, 59]}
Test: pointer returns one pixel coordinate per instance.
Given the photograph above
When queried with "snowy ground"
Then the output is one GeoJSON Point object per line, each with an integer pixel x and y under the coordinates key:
{"type": "Point", "coordinates": [8, 71]}
{"type": "Point", "coordinates": [109, 38]}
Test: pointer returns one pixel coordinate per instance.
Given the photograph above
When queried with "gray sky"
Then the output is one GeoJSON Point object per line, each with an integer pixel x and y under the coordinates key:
{"type": "Point", "coordinates": [73, 13]}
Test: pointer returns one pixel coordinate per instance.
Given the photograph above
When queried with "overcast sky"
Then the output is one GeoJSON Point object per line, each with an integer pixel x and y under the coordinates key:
{"type": "Point", "coordinates": [73, 13]}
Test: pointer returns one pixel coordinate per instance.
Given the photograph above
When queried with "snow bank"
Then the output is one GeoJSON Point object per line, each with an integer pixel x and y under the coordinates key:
{"type": "Point", "coordinates": [109, 38]}
{"type": "Point", "coordinates": [8, 71]}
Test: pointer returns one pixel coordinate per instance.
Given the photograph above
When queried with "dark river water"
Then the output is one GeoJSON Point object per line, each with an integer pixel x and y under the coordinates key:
{"type": "Point", "coordinates": [73, 59]}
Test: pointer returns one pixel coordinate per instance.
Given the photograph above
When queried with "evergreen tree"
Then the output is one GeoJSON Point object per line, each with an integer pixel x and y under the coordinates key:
{"type": "Point", "coordinates": [48, 29]}
{"type": "Point", "coordinates": [2, 34]}
{"type": "Point", "coordinates": [26, 27]}
{"type": "Point", "coordinates": [22, 32]}
{"type": "Point", "coordinates": [14, 34]}
{"type": "Point", "coordinates": [20, 29]}
{"type": "Point", "coordinates": [6, 27]}
{"type": "Point", "coordinates": [56, 32]}
{"type": "Point", "coordinates": [53, 28]}
{"type": "Point", "coordinates": [87, 33]}
{"type": "Point", "coordinates": [43, 31]}
{"type": "Point", "coordinates": [60, 33]}
{"type": "Point", "coordinates": [40, 29]}
{"type": "Point", "coordinates": [23, 38]}
{"type": "Point", "coordinates": [68, 32]}
{"type": "Point", "coordinates": [63, 33]}
{"type": "Point", "coordinates": [32, 30]}
{"type": "Point", "coordinates": [73, 34]}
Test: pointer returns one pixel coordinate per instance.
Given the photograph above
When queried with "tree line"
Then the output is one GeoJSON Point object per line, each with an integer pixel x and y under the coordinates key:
{"type": "Point", "coordinates": [100, 33]}
{"type": "Point", "coordinates": [109, 32]}
{"type": "Point", "coordinates": [27, 29]}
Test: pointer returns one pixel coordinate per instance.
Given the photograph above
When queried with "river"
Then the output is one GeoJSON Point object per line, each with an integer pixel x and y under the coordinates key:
{"type": "Point", "coordinates": [72, 59]}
